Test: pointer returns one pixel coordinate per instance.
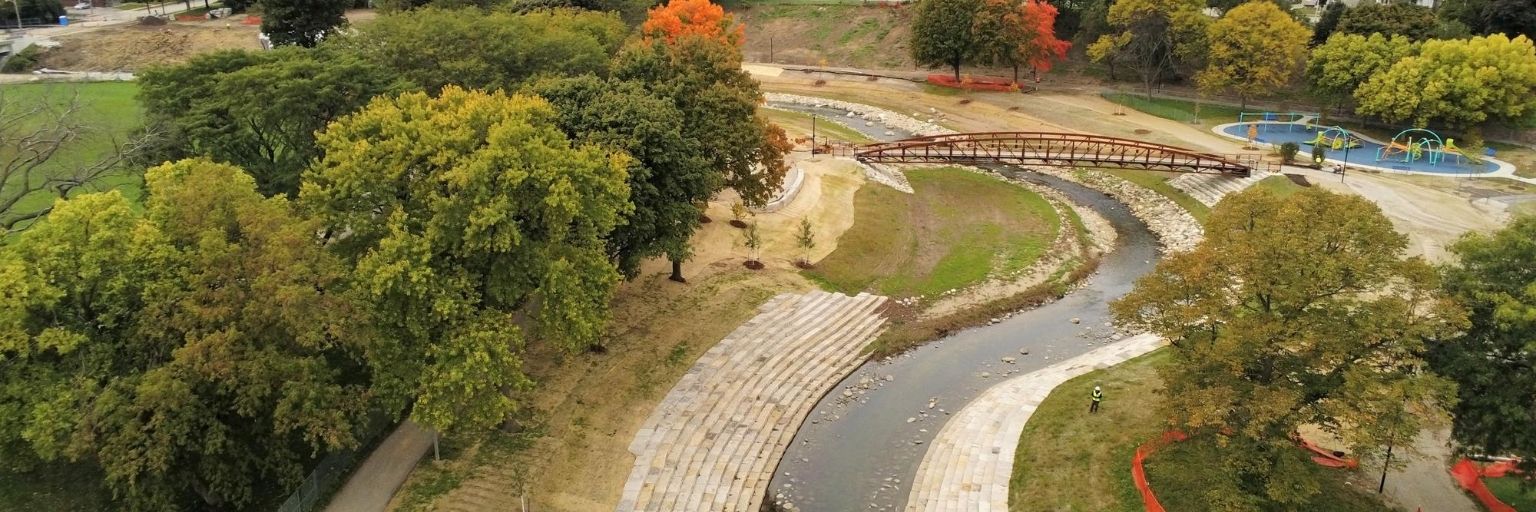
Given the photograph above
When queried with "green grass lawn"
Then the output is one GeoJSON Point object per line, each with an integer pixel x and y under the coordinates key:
{"type": "Point", "coordinates": [1280, 185]}
{"type": "Point", "coordinates": [1509, 491]}
{"type": "Point", "coordinates": [55, 486]}
{"type": "Point", "coordinates": [958, 229]}
{"type": "Point", "coordinates": [1180, 474]}
{"type": "Point", "coordinates": [1158, 182]}
{"type": "Point", "coordinates": [1177, 110]}
{"type": "Point", "coordinates": [799, 123]}
{"type": "Point", "coordinates": [1071, 460]}
{"type": "Point", "coordinates": [109, 108]}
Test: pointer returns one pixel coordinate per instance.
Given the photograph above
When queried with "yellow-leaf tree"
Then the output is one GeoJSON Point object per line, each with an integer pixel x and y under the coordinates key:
{"type": "Point", "coordinates": [1253, 50]}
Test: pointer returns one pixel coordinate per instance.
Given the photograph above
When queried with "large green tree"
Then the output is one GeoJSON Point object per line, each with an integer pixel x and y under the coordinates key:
{"type": "Point", "coordinates": [1405, 19]}
{"type": "Point", "coordinates": [1459, 83]}
{"type": "Point", "coordinates": [302, 22]}
{"type": "Point", "coordinates": [703, 78]}
{"type": "Point", "coordinates": [433, 48]}
{"type": "Point", "coordinates": [942, 33]}
{"type": "Point", "coordinates": [1328, 22]}
{"type": "Point", "coordinates": [463, 212]}
{"type": "Point", "coordinates": [257, 110]}
{"type": "Point", "coordinates": [1509, 17]}
{"type": "Point", "coordinates": [1275, 324]}
{"type": "Point", "coordinates": [1339, 66]}
{"type": "Point", "coordinates": [670, 173]}
{"type": "Point", "coordinates": [1158, 39]}
{"type": "Point", "coordinates": [1253, 50]}
{"type": "Point", "coordinates": [1494, 360]}
{"type": "Point", "coordinates": [51, 148]}
{"type": "Point", "coordinates": [200, 352]}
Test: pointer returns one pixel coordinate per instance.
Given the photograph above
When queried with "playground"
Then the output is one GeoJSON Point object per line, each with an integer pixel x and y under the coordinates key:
{"type": "Point", "coordinates": [1413, 150]}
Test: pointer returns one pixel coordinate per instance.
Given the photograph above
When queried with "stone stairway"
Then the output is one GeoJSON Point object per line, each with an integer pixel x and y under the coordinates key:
{"type": "Point", "coordinates": [968, 465]}
{"type": "Point", "coordinates": [1210, 188]}
{"type": "Point", "coordinates": [714, 441]}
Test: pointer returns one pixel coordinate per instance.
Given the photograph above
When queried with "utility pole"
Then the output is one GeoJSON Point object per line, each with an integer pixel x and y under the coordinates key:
{"type": "Point", "coordinates": [813, 134]}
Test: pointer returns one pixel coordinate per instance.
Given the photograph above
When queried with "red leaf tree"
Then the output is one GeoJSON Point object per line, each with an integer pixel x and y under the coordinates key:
{"type": "Point", "coordinates": [1014, 33]}
{"type": "Point", "coordinates": [680, 18]}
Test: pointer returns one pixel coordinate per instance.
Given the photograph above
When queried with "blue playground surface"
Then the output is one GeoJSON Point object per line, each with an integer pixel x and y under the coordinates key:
{"type": "Point", "coordinates": [1364, 154]}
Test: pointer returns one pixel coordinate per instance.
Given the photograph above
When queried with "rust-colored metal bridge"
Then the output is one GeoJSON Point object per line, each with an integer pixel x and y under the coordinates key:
{"type": "Point", "coordinates": [1052, 149]}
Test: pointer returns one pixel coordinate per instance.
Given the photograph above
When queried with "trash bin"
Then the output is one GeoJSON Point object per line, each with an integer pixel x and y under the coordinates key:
{"type": "Point", "coordinates": [63, 21]}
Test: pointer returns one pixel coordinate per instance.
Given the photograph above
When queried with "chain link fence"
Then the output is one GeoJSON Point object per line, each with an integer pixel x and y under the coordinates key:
{"type": "Point", "coordinates": [332, 471]}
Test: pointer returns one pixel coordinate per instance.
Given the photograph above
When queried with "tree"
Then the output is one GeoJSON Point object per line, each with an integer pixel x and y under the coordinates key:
{"type": "Point", "coordinates": [942, 34]}
{"type": "Point", "coordinates": [753, 239]}
{"type": "Point", "coordinates": [692, 17]}
{"type": "Point", "coordinates": [433, 48]}
{"type": "Point", "coordinates": [37, 138]}
{"type": "Point", "coordinates": [669, 172]}
{"type": "Point", "coordinates": [1155, 38]}
{"type": "Point", "coordinates": [201, 352]}
{"type": "Point", "coordinates": [1275, 323]}
{"type": "Point", "coordinates": [703, 78]}
{"type": "Point", "coordinates": [1461, 83]}
{"type": "Point", "coordinates": [457, 211]}
{"type": "Point", "coordinates": [257, 110]}
{"type": "Point", "coordinates": [1018, 33]}
{"type": "Point", "coordinates": [1328, 22]}
{"type": "Point", "coordinates": [1412, 21]}
{"type": "Point", "coordinates": [1483, 17]}
{"type": "Point", "coordinates": [1493, 361]}
{"type": "Point", "coordinates": [1253, 50]}
{"type": "Point", "coordinates": [805, 238]}
{"type": "Point", "coordinates": [302, 22]}
{"type": "Point", "coordinates": [1339, 66]}
{"type": "Point", "coordinates": [1288, 152]}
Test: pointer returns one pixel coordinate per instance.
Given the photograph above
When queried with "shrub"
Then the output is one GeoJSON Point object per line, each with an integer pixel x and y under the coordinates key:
{"type": "Point", "coordinates": [1288, 151]}
{"type": "Point", "coordinates": [23, 61]}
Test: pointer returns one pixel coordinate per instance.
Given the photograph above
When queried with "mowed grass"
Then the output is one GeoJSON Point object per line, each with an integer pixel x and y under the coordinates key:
{"type": "Point", "coordinates": [957, 229]}
{"type": "Point", "coordinates": [1280, 185]}
{"type": "Point", "coordinates": [1158, 182]}
{"type": "Point", "coordinates": [1180, 474]}
{"type": "Point", "coordinates": [797, 123]}
{"type": "Point", "coordinates": [108, 108]}
{"type": "Point", "coordinates": [1510, 491]}
{"type": "Point", "coordinates": [1177, 110]}
{"type": "Point", "coordinates": [1069, 460]}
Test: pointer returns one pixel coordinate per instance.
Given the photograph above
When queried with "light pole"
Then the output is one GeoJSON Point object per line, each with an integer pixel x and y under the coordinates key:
{"type": "Point", "coordinates": [813, 134]}
{"type": "Point", "coordinates": [1347, 144]}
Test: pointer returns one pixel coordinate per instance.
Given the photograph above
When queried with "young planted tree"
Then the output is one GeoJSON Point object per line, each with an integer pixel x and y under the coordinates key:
{"type": "Point", "coordinates": [805, 238]}
{"type": "Point", "coordinates": [1275, 324]}
{"type": "Point", "coordinates": [942, 33]}
{"type": "Point", "coordinates": [738, 212]}
{"type": "Point", "coordinates": [1155, 38]}
{"type": "Point", "coordinates": [199, 352]}
{"type": "Point", "coordinates": [1493, 361]}
{"type": "Point", "coordinates": [1010, 33]}
{"type": "Point", "coordinates": [451, 244]}
{"type": "Point", "coordinates": [1459, 83]}
{"type": "Point", "coordinates": [1338, 67]}
{"type": "Point", "coordinates": [754, 242]}
{"type": "Point", "coordinates": [302, 22]}
{"type": "Point", "coordinates": [1254, 50]}
{"type": "Point", "coordinates": [257, 110]}
{"type": "Point", "coordinates": [34, 136]}
{"type": "Point", "coordinates": [703, 18]}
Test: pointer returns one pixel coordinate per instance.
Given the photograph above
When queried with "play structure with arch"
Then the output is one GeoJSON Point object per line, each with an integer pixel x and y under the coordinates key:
{"type": "Point", "coordinates": [1335, 138]}
{"type": "Point", "coordinates": [1413, 150]}
{"type": "Point", "coordinates": [1416, 143]}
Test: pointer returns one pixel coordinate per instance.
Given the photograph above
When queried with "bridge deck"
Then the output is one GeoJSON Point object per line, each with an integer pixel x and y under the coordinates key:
{"type": "Point", "coordinates": [1053, 149]}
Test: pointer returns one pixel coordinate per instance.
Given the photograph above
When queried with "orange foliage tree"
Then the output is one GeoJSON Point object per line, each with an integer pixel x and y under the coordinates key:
{"type": "Point", "coordinates": [680, 18]}
{"type": "Point", "coordinates": [1014, 33]}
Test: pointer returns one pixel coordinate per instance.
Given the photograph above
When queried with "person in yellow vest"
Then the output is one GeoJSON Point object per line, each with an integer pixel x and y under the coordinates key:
{"type": "Point", "coordinates": [1098, 395]}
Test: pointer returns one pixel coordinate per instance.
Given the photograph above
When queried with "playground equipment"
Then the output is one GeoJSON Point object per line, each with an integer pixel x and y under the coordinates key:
{"type": "Point", "coordinates": [1335, 138]}
{"type": "Point", "coordinates": [1451, 149]}
{"type": "Point", "coordinates": [1406, 148]}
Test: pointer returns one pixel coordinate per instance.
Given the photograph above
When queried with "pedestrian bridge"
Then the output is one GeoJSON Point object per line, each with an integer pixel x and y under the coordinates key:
{"type": "Point", "coordinates": [1052, 149]}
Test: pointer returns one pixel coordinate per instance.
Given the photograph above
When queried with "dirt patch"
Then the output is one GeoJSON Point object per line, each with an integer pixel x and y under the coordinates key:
{"type": "Point", "coordinates": [1298, 179]}
{"type": "Point", "coordinates": [134, 47]}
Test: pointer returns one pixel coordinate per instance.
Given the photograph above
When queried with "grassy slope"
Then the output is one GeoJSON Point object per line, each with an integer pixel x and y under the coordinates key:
{"type": "Point", "coordinates": [797, 124]}
{"type": "Point", "coordinates": [851, 35]}
{"type": "Point", "coordinates": [1179, 472]}
{"type": "Point", "coordinates": [1158, 182]}
{"type": "Point", "coordinates": [1508, 490]}
{"type": "Point", "coordinates": [959, 228]}
{"type": "Point", "coordinates": [111, 107]}
{"type": "Point", "coordinates": [1280, 185]}
{"type": "Point", "coordinates": [1177, 110]}
{"type": "Point", "coordinates": [1065, 452]}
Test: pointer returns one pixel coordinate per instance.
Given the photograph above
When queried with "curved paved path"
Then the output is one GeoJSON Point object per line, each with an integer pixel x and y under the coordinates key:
{"type": "Point", "coordinates": [713, 442]}
{"type": "Point", "coordinates": [969, 463]}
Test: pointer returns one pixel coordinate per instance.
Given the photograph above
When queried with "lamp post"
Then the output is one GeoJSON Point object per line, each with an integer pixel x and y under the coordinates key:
{"type": "Point", "coordinates": [1347, 144]}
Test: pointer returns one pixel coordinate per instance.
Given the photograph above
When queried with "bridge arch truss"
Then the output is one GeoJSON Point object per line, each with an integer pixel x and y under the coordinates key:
{"type": "Point", "coordinates": [1053, 149]}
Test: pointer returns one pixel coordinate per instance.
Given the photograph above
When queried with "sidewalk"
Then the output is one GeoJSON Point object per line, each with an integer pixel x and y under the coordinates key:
{"type": "Point", "coordinates": [375, 481]}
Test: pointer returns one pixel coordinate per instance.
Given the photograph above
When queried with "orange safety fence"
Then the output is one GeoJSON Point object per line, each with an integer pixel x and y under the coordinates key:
{"type": "Point", "coordinates": [975, 84]}
{"type": "Point", "coordinates": [251, 20]}
{"type": "Point", "coordinates": [1149, 499]}
{"type": "Point", "coordinates": [1470, 477]}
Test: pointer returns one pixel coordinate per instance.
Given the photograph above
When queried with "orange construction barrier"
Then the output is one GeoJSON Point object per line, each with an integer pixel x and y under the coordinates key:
{"type": "Point", "coordinates": [1470, 477]}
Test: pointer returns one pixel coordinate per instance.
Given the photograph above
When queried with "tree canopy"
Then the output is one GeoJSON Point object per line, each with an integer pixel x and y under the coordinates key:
{"type": "Point", "coordinates": [1509, 17]}
{"type": "Point", "coordinates": [1339, 66]}
{"type": "Point", "coordinates": [1415, 22]}
{"type": "Point", "coordinates": [36, 134]}
{"type": "Point", "coordinates": [1494, 360]}
{"type": "Point", "coordinates": [1275, 323]}
{"type": "Point", "coordinates": [256, 110]}
{"type": "Point", "coordinates": [198, 352]}
{"type": "Point", "coordinates": [1461, 83]}
{"type": "Point", "coordinates": [461, 211]}
{"type": "Point", "coordinates": [1156, 38]}
{"type": "Point", "coordinates": [942, 33]}
{"type": "Point", "coordinates": [1328, 22]}
{"type": "Point", "coordinates": [433, 48]}
{"type": "Point", "coordinates": [692, 17]}
{"type": "Point", "coordinates": [1010, 33]}
{"type": "Point", "coordinates": [302, 22]}
{"type": "Point", "coordinates": [1253, 50]}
